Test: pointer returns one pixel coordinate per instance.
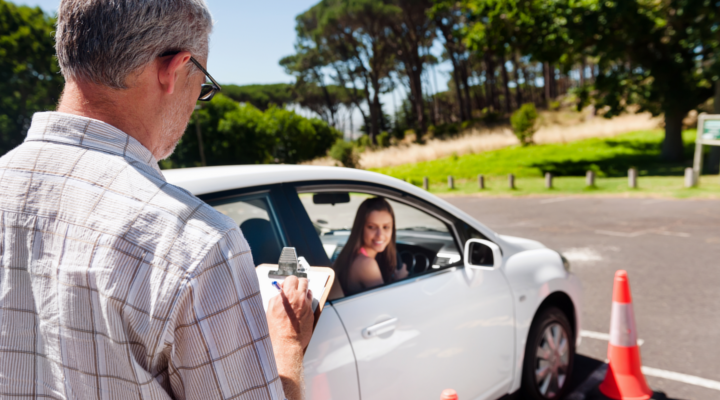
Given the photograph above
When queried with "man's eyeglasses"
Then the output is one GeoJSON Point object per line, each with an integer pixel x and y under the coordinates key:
{"type": "Point", "coordinates": [208, 90]}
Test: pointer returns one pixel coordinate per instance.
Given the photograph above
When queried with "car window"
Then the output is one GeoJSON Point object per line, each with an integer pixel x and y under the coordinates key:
{"type": "Point", "coordinates": [256, 218]}
{"type": "Point", "coordinates": [424, 242]}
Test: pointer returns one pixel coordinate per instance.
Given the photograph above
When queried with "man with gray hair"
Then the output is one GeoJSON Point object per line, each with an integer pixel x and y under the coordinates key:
{"type": "Point", "coordinates": [114, 283]}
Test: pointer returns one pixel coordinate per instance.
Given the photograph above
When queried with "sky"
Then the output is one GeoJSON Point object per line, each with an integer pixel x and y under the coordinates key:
{"type": "Point", "coordinates": [251, 36]}
{"type": "Point", "coordinates": [248, 39]}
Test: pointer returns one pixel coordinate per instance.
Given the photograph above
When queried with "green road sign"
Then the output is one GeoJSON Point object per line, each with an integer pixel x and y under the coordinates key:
{"type": "Point", "coordinates": [711, 129]}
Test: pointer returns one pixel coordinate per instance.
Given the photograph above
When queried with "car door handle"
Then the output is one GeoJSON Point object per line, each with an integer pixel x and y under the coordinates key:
{"type": "Point", "coordinates": [379, 328]}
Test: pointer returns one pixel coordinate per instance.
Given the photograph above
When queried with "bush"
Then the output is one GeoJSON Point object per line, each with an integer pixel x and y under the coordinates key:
{"type": "Point", "coordinates": [524, 123]}
{"type": "Point", "coordinates": [383, 139]}
{"type": "Point", "coordinates": [242, 134]}
{"type": "Point", "coordinates": [345, 153]}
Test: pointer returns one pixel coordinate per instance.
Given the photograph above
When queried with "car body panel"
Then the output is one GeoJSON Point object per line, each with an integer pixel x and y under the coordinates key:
{"type": "Point", "coordinates": [530, 272]}
{"type": "Point", "coordinates": [330, 368]}
{"type": "Point", "coordinates": [533, 276]}
{"type": "Point", "coordinates": [468, 344]}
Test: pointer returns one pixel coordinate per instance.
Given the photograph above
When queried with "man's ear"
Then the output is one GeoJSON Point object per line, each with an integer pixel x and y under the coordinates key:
{"type": "Point", "coordinates": [170, 70]}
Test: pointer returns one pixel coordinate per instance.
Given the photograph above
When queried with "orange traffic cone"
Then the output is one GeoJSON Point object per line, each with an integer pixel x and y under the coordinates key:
{"type": "Point", "coordinates": [624, 379]}
{"type": "Point", "coordinates": [449, 394]}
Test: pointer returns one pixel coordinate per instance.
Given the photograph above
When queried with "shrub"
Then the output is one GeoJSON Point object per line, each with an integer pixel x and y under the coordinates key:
{"type": "Point", "coordinates": [524, 123]}
{"type": "Point", "coordinates": [242, 134]}
{"type": "Point", "coordinates": [383, 139]}
{"type": "Point", "coordinates": [345, 153]}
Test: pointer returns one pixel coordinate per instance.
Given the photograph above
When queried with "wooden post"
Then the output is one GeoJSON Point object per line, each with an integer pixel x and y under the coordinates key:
{"type": "Point", "coordinates": [511, 181]}
{"type": "Point", "coordinates": [425, 182]}
{"type": "Point", "coordinates": [548, 180]}
{"type": "Point", "coordinates": [451, 182]}
{"type": "Point", "coordinates": [632, 178]}
{"type": "Point", "coordinates": [690, 180]}
{"type": "Point", "coordinates": [481, 182]}
{"type": "Point", "coordinates": [590, 178]}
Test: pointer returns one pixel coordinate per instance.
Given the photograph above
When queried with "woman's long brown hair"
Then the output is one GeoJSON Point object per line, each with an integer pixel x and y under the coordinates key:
{"type": "Point", "coordinates": [387, 260]}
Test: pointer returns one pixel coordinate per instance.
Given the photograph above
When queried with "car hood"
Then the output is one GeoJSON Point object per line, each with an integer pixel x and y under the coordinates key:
{"type": "Point", "coordinates": [521, 244]}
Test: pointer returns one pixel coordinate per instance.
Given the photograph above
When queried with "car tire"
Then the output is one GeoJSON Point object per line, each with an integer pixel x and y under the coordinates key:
{"type": "Point", "coordinates": [549, 355]}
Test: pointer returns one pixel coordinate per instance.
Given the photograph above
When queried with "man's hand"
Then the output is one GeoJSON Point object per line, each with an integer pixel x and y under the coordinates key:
{"type": "Point", "coordinates": [290, 321]}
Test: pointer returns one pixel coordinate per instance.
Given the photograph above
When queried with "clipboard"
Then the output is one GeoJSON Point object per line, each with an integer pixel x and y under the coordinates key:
{"type": "Point", "coordinates": [267, 291]}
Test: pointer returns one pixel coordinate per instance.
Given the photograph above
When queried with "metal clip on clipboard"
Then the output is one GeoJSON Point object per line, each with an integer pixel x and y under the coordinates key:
{"type": "Point", "coordinates": [288, 265]}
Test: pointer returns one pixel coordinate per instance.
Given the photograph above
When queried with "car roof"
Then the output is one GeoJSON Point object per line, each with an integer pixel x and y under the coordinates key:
{"type": "Point", "coordinates": [203, 180]}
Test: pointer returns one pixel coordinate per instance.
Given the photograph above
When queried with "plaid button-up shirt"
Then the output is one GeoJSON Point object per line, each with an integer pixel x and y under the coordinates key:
{"type": "Point", "coordinates": [115, 284]}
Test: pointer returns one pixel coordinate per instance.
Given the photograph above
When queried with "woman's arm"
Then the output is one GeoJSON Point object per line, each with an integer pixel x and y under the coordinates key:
{"type": "Point", "coordinates": [365, 273]}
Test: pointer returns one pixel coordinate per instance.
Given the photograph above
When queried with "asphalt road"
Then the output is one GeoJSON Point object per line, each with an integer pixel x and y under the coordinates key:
{"type": "Point", "coordinates": [671, 250]}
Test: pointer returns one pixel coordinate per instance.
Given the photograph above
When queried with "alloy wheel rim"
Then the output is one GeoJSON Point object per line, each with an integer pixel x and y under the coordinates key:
{"type": "Point", "coordinates": [552, 360]}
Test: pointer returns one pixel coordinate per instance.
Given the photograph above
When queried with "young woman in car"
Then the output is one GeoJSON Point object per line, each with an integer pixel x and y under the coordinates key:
{"type": "Point", "coordinates": [369, 258]}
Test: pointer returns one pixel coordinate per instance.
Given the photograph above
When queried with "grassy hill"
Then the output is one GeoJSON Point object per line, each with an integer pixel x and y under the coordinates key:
{"type": "Point", "coordinates": [608, 157]}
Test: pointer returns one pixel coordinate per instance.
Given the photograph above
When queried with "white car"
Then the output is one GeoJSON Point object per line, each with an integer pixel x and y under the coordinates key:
{"type": "Point", "coordinates": [485, 314]}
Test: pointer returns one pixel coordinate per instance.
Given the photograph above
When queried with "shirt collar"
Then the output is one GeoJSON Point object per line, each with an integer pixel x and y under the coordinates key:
{"type": "Point", "coordinates": [88, 133]}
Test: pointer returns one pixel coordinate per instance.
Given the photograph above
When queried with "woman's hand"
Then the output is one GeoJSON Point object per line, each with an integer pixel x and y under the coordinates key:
{"type": "Point", "coordinates": [402, 273]}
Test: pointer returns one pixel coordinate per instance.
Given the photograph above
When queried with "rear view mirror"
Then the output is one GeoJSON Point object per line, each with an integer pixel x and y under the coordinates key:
{"type": "Point", "coordinates": [331, 198]}
{"type": "Point", "coordinates": [482, 254]}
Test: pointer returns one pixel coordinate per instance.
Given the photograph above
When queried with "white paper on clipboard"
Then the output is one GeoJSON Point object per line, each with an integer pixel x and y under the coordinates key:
{"type": "Point", "coordinates": [316, 283]}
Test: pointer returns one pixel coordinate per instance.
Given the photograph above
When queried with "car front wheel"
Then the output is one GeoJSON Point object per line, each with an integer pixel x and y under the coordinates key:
{"type": "Point", "coordinates": [548, 356]}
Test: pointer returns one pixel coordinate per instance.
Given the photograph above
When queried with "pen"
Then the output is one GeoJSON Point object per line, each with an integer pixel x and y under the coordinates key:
{"type": "Point", "coordinates": [276, 286]}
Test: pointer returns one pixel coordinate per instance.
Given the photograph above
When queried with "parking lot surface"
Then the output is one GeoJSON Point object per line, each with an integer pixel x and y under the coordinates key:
{"type": "Point", "coordinates": [671, 250]}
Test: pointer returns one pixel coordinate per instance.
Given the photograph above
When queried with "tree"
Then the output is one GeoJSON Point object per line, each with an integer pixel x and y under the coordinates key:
{"type": "Point", "coordinates": [353, 38]}
{"type": "Point", "coordinates": [663, 56]}
{"type": "Point", "coordinates": [243, 134]}
{"type": "Point", "coordinates": [307, 65]}
{"type": "Point", "coordinates": [29, 74]}
{"type": "Point", "coordinates": [412, 30]}
{"type": "Point", "coordinates": [449, 20]}
{"type": "Point", "coordinates": [261, 96]}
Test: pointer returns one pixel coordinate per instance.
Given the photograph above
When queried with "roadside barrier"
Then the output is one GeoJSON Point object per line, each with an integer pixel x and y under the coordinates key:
{"type": "Point", "coordinates": [632, 178]}
{"type": "Point", "coordinates": [624, 379]}
{"type": "Point", "coordinates": [590, 178]}
{"type": "Point", "coordinates": [449, 394]}
{"type": "Point", "coordinates": [548, 180]}
{"type": "Point", "coordinates": [511, 181]}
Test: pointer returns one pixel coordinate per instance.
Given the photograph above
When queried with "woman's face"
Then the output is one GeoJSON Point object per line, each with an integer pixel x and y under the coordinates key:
{"type": "Point", "coordinates": [378, 230]}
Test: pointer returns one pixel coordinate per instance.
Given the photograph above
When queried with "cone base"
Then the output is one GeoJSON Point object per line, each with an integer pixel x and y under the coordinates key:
{"type": "Point", "coordinates": [624, 379]}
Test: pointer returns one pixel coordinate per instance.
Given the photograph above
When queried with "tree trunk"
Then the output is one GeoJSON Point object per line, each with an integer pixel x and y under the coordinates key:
{"type": "Point", "coordinates": [546, 84]}
{"type": "Point", "coordinates": [672, 146]}
{"type": "Point", "coordinates": [582, 72]}
{"type": "Point", "coordinates": [506, 84]}
{"type": "Point", "coordinates": [456, 77]}
{"type": "Point", "coordinates": [490, 81]}
{"type": "Point", "coordinates": [466, 88]}
{"type": "Point", "coordinates": [518, 90]}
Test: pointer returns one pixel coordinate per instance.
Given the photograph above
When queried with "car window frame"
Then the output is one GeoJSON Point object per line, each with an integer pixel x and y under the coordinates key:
{"type": "Point", "coordinates": [395, 195]}
{"type": "Point", "coordinates": [289, 211]}
{"type": "Point", "coordinates": [272, 213]}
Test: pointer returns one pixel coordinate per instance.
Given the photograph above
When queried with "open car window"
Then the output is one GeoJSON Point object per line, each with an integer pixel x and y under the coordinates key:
{"type": "Point", "coordinates": [255, 216]}
{"type": "Point", "coordinates": [424, 242]}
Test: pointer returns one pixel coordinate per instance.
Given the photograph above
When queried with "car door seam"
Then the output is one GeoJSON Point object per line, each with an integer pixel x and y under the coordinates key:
{"type": "Point", "coordinates": [352, 348]}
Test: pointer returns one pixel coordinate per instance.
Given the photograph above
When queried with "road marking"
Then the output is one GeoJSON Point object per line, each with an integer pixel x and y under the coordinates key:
{"type": "Point", "coordinates": [582, 254]}
{"type": "Point", "coordinates": [658, 373]}
{"type": "Point", "coordinates": [602, 336]}
{"type": "Point", "coordinates": [640, 233]}
{"type": "Point", "coordinates": [555, 200]}
{"type": "Point", "coordinates": [676, 376]}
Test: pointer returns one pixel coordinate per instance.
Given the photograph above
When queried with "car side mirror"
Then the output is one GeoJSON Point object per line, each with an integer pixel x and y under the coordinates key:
{"type": "Point", "coordinates": [482, 254]}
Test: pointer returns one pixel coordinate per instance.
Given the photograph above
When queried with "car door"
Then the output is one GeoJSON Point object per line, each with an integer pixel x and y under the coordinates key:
{"type": "Point", "coordinates": [267, 219]}
{"type": "Point", "coordinates": [442, 327]}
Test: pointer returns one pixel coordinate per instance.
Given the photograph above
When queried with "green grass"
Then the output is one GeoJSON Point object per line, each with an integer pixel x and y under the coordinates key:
{"type": "Point", "coordinates": [648, 186]}
{"type": "Point", "coordinates": [610, 158]}
{"type": "Point", "coordinates": [606, 156]}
